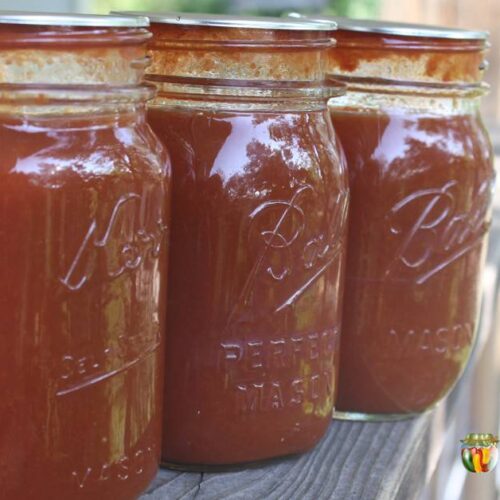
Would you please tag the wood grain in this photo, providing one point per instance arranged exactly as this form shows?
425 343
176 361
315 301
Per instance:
355 460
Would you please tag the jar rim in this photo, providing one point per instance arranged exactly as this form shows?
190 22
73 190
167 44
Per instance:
397 28
80 20
239 22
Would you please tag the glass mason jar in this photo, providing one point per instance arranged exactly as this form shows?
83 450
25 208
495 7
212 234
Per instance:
257 250
83 225
421 179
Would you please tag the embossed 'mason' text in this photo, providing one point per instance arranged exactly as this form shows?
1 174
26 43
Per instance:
434 341
272 395
122 469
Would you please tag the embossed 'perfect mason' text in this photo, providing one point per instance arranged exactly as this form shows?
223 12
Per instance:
280 372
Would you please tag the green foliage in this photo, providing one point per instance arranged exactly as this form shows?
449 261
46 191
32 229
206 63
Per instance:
354 8
349 8
213 6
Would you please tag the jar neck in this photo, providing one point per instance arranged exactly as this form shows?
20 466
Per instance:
238 53
209 67
373 94
218 94
72 55
90 101
404 59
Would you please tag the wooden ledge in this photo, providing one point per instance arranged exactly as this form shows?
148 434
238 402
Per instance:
354 460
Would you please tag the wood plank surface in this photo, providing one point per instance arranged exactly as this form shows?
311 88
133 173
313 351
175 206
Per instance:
355 460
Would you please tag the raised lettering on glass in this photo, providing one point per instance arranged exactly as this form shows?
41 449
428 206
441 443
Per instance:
433 230
132 233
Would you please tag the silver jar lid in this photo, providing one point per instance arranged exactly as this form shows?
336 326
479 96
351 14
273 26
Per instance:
227 21
396 28
57 19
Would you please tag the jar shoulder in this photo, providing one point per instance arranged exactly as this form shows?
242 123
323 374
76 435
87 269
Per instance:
56 153
412 144
243 148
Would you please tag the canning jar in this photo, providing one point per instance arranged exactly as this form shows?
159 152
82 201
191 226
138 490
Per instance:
257 249
421 178
83 226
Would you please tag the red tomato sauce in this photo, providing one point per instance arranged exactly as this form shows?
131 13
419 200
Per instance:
254 284
420 196
83 238
421 177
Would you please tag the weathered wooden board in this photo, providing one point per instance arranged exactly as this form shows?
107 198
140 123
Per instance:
355 460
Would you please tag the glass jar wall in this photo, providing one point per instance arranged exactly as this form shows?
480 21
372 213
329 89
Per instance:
84 186
421 178
259 217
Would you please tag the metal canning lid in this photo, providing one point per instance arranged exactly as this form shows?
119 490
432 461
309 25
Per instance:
227 21
57 19
400 29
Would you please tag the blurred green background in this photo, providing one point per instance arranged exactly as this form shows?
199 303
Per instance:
358 8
